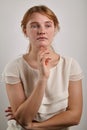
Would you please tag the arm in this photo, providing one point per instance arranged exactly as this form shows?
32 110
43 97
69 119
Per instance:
73 113
24 109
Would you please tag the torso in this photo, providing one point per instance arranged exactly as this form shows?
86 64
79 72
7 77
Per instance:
34 64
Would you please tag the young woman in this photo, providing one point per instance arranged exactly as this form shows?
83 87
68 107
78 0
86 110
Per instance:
43 87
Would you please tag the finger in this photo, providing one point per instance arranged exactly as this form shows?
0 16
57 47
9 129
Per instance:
44 49
9 107
47 61
11 117
44 54
9 114
8 110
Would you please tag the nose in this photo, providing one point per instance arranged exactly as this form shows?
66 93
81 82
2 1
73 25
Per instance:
41 30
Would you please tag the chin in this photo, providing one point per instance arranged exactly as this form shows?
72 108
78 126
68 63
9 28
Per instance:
43 44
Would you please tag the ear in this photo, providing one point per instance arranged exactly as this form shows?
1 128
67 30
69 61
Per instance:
55 31
24 31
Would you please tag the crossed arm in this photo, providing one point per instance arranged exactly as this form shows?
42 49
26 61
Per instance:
24 110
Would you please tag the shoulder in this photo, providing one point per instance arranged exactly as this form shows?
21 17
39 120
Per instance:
12 66
69 60
72 67
11 73
70 64
12 63
65 61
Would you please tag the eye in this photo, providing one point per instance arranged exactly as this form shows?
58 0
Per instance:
34 26
48 25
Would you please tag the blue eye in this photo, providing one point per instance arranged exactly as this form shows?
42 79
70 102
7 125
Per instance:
48 25
34 26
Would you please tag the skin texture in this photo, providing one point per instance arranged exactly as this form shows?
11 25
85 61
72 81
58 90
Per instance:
40 30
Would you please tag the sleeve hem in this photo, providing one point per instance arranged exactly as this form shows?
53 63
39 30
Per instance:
76 77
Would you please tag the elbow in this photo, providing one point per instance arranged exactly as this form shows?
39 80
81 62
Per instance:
26 124
76 117
76 122
19 119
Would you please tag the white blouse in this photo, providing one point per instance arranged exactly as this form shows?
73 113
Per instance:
55 99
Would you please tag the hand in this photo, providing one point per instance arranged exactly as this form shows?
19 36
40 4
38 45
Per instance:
9 113
47 59
54 58
43 63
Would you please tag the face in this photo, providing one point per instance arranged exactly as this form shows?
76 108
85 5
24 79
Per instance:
40 30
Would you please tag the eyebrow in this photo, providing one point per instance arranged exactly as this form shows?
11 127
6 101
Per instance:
38 22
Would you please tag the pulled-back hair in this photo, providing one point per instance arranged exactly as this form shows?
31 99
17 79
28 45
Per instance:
42 9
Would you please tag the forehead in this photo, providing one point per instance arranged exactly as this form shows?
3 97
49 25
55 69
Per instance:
37 17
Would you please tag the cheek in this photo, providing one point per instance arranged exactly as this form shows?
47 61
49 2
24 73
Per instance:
51 34
31 34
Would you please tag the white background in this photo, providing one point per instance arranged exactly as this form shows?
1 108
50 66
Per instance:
70 41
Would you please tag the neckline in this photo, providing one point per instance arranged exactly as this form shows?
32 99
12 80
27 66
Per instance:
32 68
29 66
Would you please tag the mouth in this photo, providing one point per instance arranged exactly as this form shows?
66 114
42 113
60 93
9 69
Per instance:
42 38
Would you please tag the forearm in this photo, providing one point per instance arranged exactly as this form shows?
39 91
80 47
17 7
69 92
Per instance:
73 113
27 111
64 119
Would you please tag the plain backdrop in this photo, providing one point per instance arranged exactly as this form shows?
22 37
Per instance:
70 41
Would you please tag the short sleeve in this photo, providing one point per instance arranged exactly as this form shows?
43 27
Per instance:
76 72
10 74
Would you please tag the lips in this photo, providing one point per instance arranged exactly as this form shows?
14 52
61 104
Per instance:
41 38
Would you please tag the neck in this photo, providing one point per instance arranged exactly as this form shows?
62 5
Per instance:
33 54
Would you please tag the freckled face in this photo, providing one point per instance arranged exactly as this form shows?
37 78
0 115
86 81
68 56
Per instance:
40 30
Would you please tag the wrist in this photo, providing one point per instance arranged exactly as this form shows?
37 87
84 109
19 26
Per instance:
42 82
43 79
